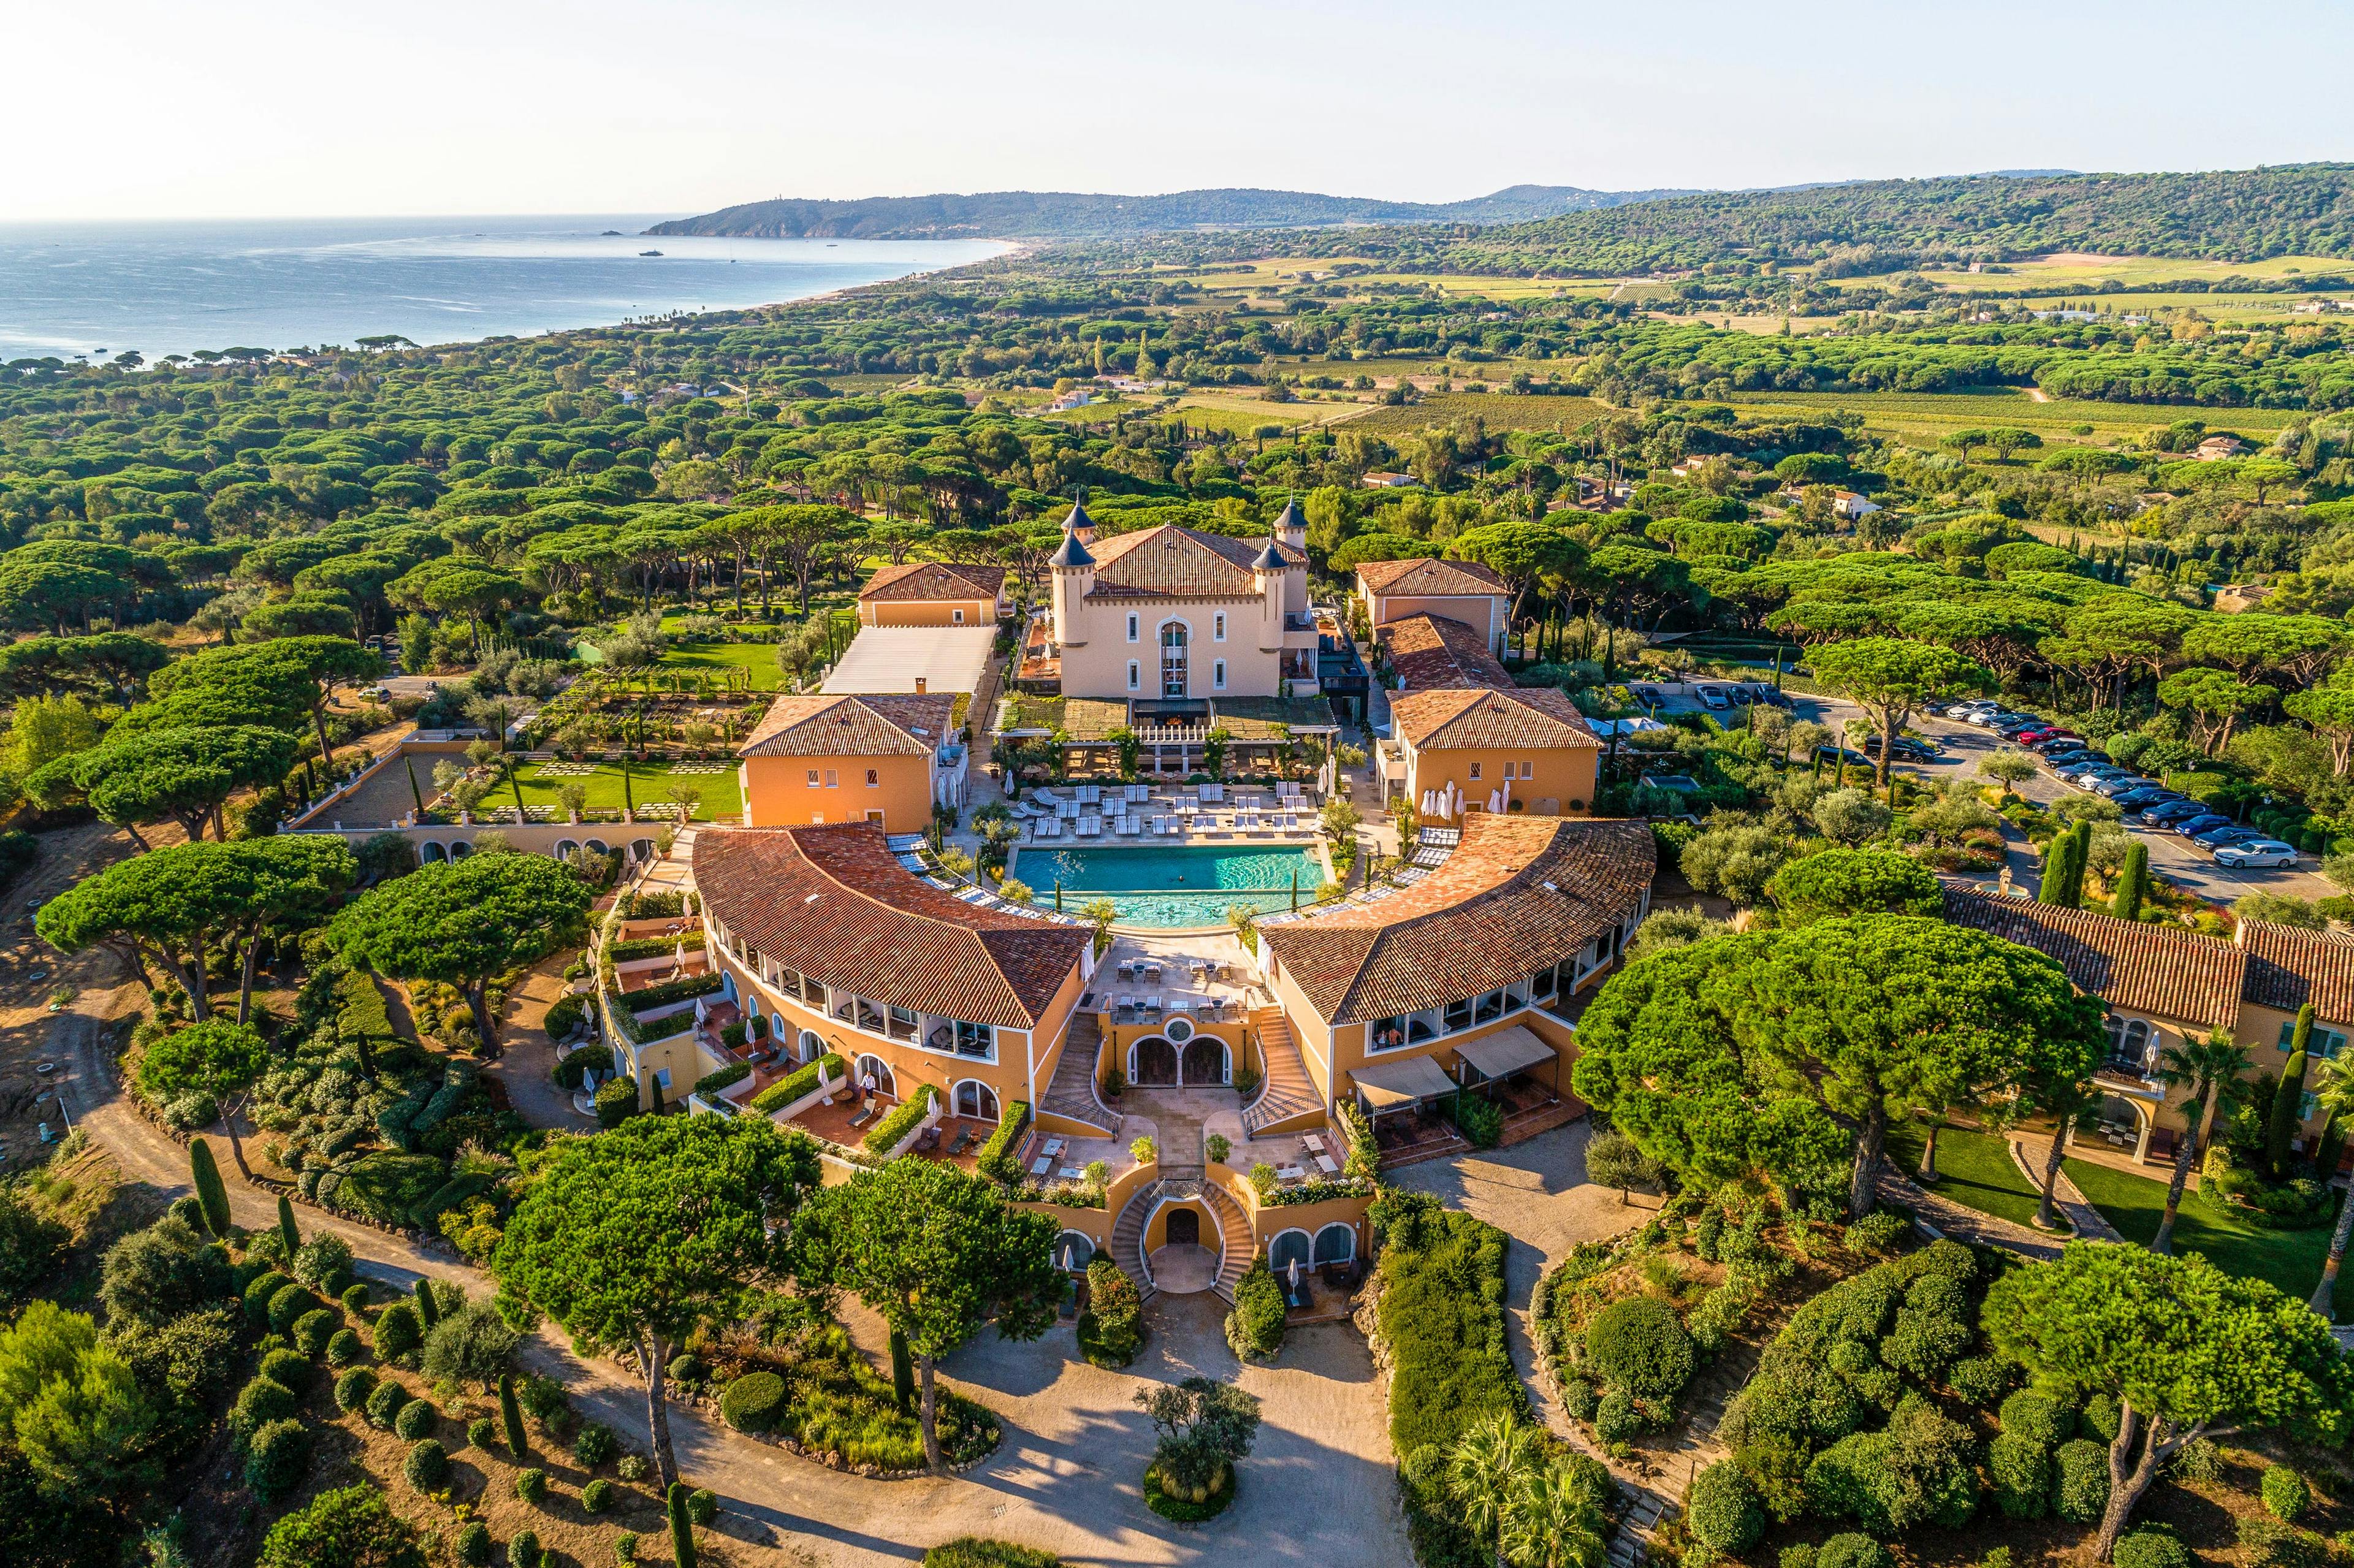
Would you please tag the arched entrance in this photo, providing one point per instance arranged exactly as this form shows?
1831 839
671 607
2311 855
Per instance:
1153 1064
1173 658
1203 1060
1185 1228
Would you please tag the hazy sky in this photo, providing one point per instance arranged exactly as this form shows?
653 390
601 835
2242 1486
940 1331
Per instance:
141 108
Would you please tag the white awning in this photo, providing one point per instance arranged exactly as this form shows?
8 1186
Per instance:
1396 1084
943 660
1506 1052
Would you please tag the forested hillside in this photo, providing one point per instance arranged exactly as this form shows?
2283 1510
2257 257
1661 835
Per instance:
1049 215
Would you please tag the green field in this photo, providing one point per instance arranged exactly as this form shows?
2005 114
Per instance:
1929 415
2135 1204
1501 410
1974 1169
721 795
717 658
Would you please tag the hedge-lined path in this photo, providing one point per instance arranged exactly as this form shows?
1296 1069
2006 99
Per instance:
526 1059
1068 1476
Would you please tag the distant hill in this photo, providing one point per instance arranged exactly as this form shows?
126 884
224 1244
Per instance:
2226 216
1057 215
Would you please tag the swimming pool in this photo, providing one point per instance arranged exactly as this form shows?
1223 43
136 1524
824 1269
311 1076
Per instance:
1171 887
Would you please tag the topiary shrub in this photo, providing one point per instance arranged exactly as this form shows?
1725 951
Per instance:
2040 1416
751 1402
1639 1345
1579 1398
414 1420
479 1432
625 1547
286 1367
384 1403
686 1369
1979 1380
2021 1468
1616 1419
530 1484
1112 1330
1801 1555
277 1458
523 1550
597 1496
596 1445
1255 1328
427 1466
473 1545
343 1348
1724 1511
2149 1549
313 1329
2080 1482
2100 1418
260 1292
702 1504
1878 1233
2287 1497
260 1403
353 1388
1853 1551
288 1305
354 1298
397 1333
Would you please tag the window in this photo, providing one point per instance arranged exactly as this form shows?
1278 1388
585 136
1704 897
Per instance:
873 777
1475 770
1131 675
872 1067
1218 674
1132 626
812 778
1073 1250
1173 639
1290 1248
2327 1042
874 817
662 1076
833 778
1336 1243
977 1100
870 1016
903 1022
812 990
975 1040
956 618
812 1043
1218 627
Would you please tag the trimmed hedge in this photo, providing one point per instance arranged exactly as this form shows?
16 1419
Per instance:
473 1543
994 1160
1111 1329
752 1401
1255 1328
397 1330
260 1292
313 1329
1442 1317
1725 1512
803 1081
523 1549
1641 1345
885 1135
343 1348
710 1083
981 1551
595 1445
530 1484
1853 1551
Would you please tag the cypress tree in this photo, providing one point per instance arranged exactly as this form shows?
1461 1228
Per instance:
511 1416
211 1195
2053 886
682 1528
2290 1095
2133 883
903 1373
286 1231
428 1309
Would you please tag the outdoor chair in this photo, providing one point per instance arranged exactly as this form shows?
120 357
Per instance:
865 1114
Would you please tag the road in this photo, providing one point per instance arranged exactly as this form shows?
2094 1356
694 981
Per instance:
2181 861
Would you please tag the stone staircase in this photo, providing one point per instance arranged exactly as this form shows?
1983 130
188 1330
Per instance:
1237 1247
1128 1238
1071 1095
1235 1233
1289 1093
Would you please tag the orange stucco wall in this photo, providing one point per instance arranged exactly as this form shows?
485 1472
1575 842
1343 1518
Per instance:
1564 775
1483 614
926 612
777 792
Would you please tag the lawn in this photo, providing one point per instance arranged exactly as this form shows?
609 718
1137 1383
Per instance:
2135 1204
722 795
1930 415
718 660
1974 1169
1501 410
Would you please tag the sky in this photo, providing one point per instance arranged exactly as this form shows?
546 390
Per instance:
147 109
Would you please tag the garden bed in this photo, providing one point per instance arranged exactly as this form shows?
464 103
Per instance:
839 1412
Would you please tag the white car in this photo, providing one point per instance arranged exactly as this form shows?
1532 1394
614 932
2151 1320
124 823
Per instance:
2256 853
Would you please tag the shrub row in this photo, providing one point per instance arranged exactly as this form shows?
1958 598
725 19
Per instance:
993 1161
802 1082
710 1083
885 1135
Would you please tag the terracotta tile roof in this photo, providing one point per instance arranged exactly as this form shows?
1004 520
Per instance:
881 725
1459 717
2288 968
1518 894
1429 577
934 580
831 902
1172 562
2161 970
1429 651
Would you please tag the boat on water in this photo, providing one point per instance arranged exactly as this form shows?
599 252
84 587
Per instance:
649 252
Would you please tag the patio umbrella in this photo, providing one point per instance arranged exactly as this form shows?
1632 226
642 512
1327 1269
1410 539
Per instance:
1070 1255
1495 800
1295 1274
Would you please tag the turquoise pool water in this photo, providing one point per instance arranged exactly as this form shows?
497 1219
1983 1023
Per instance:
1168 887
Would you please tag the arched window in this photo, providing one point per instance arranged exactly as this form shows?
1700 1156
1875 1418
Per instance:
812 1043
598 846
566 849
1173 658
642 849
1290 1248
429 852
1073 1251
872 1064
1336 1243
977 1100
460 849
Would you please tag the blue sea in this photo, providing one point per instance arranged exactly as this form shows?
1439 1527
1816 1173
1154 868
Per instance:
176 288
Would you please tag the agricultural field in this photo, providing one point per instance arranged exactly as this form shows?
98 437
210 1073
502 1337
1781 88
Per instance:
720 794
1501 410
1924 417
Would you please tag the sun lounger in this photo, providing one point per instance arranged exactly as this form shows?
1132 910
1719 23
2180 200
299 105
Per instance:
1041 1166
963 1138
1128 827
1045 795
865 1114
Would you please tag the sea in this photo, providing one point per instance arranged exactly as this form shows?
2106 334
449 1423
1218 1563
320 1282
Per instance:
100 290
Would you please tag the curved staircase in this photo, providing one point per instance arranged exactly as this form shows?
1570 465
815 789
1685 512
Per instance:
1236 1246
1288 1094
1071 1094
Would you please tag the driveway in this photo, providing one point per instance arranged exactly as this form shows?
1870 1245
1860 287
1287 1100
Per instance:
2181 861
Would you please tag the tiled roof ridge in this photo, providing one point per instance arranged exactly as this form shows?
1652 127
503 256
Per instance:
1382 577
2142 967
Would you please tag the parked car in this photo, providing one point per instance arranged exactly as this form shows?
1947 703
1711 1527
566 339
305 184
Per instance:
2090 768
2115 788
2169 811
1714 699
2216 838
2256 853
2205 823
2142 798
2069 756
1905 746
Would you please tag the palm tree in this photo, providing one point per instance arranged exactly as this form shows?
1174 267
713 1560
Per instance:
2333 1091
2208 1075
1550 1521
1485 1469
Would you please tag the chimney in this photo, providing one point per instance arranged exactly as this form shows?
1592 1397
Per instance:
919 685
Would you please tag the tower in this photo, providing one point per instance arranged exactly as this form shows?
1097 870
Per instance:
1074 574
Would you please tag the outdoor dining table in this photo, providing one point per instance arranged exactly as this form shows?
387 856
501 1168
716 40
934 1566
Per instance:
1072 1172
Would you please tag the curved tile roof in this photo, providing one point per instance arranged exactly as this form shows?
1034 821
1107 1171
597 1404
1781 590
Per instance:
834 903
1455 718
1174 562
2164 972
1518 894
885 724
2288 968
1430 577
1429 651
918 580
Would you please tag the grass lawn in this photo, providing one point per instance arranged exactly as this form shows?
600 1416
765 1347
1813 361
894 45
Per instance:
1974 1169
2135 1204
716 659
722 795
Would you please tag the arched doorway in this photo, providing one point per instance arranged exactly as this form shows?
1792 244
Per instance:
977 1100
1173 658
1073 1250
1153 1064
1203 1060
1290 1248
461 849
1336 1243
1184 1227
566 849
881 1070
427 853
